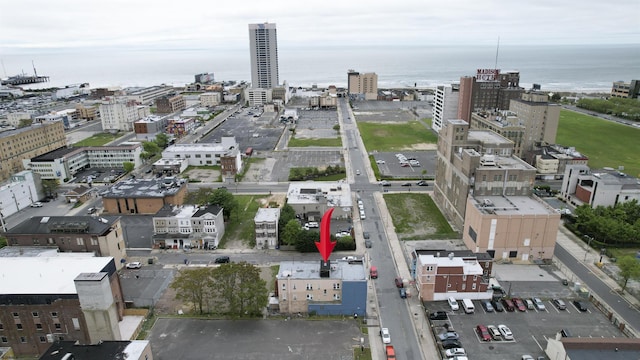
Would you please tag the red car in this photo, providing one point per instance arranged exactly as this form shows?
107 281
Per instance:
519 304
483 332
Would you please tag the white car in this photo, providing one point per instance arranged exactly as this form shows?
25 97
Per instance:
36 204
453 304
386 337
134 265
539 304
506 332
455 352
379 161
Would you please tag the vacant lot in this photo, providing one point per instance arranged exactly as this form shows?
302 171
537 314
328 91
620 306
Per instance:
606 143
98 139
298 142
416 217
382 137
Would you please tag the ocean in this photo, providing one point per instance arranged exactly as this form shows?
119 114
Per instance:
577 68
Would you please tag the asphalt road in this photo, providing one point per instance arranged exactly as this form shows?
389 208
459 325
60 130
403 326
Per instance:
597 286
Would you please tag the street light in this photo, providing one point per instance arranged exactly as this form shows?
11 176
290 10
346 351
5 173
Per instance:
588 247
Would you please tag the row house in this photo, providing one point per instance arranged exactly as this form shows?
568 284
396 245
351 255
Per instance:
188 226
266 227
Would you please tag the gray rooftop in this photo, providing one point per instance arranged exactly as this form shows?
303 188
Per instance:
340 269
144 188
67 224
513 205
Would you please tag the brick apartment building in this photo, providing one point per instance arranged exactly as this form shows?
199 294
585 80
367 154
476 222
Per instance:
170 104
143 196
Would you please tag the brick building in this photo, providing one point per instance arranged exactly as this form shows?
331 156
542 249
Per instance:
170 104
143 196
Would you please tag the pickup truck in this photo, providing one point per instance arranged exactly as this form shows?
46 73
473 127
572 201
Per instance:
391 352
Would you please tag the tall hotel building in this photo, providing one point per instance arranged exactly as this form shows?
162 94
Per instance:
264 55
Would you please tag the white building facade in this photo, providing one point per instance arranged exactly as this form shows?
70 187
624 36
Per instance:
266 226
263 47
188 226
20 192
445 105
204 154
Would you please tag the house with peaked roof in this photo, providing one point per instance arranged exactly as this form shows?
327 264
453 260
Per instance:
79 194
188 226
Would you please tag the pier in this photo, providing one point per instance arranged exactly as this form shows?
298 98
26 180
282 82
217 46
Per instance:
23 79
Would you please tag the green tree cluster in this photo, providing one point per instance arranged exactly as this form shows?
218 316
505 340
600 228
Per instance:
233 289
304 240
50 186
221 197
613 225
629 269
308 173
623 108
154 147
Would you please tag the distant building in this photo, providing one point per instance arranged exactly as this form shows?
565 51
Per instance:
311 199
204 154
489 89
67 116
324 101
119 114
148 127
64 163
445 105
148 95
266 227
204 78
188 226
211 99
258 96
14 118
335 288
61 296
440 274
627 90
125 349
180 126
28 142
263 47
143 196
79 194
170 104
552 160
602 187
102 236
363 86
87 112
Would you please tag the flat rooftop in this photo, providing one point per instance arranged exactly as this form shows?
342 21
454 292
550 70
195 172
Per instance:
336 193
47 275
267 215
340 269
469 266
513 205
487 137
143 188
65 224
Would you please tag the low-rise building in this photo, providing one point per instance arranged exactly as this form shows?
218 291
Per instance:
338 287
62 296
627 90
148 95
592 348
188 226
22 190
602 187
143 196
119 114
552 160
210 99
148 127
125 349
80 194
170 104
440 274
205 153
266 227
180 126
170 167
102 236
311 199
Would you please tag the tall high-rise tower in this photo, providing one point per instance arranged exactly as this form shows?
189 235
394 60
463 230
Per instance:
264 55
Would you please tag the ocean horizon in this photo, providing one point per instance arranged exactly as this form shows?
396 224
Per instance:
577 68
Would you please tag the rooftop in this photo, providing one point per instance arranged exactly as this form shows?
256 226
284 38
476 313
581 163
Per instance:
66 224
144 188
47 274
336 193
226 143
340 269
267 215
187 211
470 266
487 137
103 350
512 205
26 128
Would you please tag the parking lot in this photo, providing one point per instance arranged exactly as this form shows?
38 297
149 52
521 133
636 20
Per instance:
530 328
261 133
316 124
392 167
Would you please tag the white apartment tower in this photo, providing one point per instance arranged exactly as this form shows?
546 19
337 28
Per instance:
445 105
118 114
264 55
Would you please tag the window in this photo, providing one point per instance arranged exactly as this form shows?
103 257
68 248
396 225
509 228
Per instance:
23 339
513 254
284 286
309 287
336 286
336 296
34 313
475 277
325 291
464 286
4 339
80 241
43 339
94 242
76 323
54 314
309 297
16 315
58 326
464 277
473 286
38 326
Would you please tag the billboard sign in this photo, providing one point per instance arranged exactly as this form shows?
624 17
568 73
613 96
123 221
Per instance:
487 74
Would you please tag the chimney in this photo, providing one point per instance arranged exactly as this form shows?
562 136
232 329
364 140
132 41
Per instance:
451 255
325 268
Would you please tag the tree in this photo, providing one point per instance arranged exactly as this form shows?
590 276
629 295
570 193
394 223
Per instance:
224 199
286 213
199 197
238 289
162 140
423 173
3 242
150 147
50 186
291 232
629 269
128 166
24 123
194 286
336 127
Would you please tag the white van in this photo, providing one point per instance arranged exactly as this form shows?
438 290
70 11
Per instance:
467 304
362 216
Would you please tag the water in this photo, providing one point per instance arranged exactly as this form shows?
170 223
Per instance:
567 68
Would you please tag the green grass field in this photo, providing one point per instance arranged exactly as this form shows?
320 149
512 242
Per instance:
605 143
391 137
98 139
241 225
334 142
416 217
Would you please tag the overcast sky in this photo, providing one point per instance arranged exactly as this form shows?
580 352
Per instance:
53 24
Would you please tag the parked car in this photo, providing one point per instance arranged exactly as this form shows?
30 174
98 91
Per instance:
506 332
406 184
398 282
91 210
36 204
455 352
422 183
527 357
449 335
519 304
529 304
366 235
403 293
450 344
486 304
438 315
453 304
368 243
134 265
539 304
404 164
221 260
386 337
379 161
580 305
559 304
494 332
508 305
385 183
497 306
483 332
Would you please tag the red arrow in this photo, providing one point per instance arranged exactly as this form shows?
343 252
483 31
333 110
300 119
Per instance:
325 246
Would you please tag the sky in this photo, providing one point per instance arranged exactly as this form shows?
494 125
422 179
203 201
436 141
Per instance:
27 25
